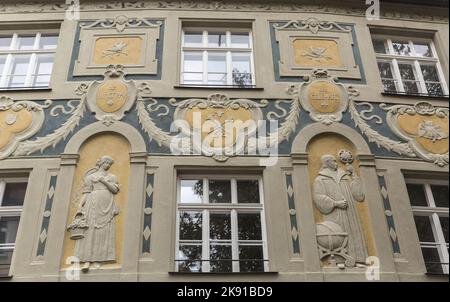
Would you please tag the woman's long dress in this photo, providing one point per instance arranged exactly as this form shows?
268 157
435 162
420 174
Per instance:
98 244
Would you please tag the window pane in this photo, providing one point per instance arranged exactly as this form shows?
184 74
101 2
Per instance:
48 42
389 85
5 43
193 78
251 259
2 64
248 191
5 257
401 48
434 88
191 254
191 191
407 72
440 195
387 77
217 69
385 70
219 191
241 67
240 40
423 50
217 62
219 253
26 43
193 39
432 260
41 81
193 62
408 76
429 73
424 229
249 226
43 70
14 194
8 229
19 71
417 195
217 40
190 226
44 64
219 226
379 46
217 79
444 225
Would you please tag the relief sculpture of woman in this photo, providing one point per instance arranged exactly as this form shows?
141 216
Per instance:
96 216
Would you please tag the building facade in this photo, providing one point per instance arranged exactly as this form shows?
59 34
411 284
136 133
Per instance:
224 141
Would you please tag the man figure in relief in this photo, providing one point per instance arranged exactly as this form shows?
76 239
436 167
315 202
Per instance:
336 192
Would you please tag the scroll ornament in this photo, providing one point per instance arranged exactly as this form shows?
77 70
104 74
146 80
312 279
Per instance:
19 120
421 125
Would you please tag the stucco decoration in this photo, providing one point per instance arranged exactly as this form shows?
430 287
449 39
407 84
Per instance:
76 112
111 98
305 45
371 134
424 127
130 42
275 6
336 192
313 25
121 22
215 114
19 120
323 98
223 125
93 226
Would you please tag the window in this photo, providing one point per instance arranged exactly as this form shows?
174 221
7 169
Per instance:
220 225
409 67
12 195
429 201
26 60
217 58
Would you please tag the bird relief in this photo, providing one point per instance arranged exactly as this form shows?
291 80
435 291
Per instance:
117 50
424 126
427 129
316 54
125 50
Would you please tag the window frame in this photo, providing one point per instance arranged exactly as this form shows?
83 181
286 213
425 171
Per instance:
10 211
433 212
415 60
205 208
228 50
33 61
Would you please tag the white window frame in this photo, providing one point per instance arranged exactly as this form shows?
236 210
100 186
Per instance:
233 208
414 59
10 211
434 213
205 49
32 65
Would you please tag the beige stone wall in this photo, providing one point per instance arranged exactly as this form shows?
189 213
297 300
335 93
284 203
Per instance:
158 265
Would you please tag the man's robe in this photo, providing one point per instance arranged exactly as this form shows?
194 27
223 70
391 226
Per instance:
331 186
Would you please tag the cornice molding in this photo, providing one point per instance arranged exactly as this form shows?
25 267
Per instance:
389 12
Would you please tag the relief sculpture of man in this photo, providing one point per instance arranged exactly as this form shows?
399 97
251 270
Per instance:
336 192
96 215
